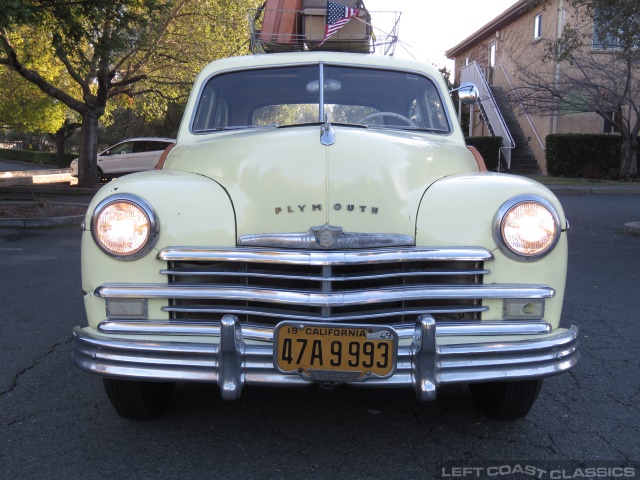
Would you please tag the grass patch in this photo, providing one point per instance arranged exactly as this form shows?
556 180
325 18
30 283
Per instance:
584 182
40 210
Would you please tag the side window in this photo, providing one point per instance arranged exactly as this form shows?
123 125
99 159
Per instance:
213 111
430 111
121 149
139 147
155 146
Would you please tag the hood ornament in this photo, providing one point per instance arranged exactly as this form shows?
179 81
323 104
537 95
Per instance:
327 136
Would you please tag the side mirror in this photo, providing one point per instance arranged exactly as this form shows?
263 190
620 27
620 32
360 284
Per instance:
467 93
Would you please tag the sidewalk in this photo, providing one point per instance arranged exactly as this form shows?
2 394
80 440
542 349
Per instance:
13 172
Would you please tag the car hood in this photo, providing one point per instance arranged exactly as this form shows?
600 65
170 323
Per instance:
285 180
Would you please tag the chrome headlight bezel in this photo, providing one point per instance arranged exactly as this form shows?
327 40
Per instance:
508 207
145 207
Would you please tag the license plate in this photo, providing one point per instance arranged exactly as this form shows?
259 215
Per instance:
335 352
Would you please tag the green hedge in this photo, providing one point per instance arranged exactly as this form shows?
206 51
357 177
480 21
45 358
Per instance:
42 158
489 148
583 155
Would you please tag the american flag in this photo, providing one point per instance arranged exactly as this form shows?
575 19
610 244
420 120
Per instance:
337 17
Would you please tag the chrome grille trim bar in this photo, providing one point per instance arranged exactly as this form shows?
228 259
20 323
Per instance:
343 317
265 332
320 299
304 257
339 278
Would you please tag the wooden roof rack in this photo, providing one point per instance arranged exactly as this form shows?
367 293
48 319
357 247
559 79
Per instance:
299 25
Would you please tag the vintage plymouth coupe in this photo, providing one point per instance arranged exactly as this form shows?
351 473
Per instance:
320 221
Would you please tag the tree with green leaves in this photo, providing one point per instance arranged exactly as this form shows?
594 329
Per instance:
26 109
594 66
145 50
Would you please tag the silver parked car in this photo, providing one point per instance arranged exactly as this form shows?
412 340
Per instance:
130 155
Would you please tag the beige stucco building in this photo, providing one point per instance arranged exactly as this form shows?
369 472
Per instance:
498 51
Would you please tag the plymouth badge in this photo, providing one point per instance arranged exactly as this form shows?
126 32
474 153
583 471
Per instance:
327 236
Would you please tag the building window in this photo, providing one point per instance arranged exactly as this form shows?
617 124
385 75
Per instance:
604 41
492 61
604 36
492 54
612 120
537 26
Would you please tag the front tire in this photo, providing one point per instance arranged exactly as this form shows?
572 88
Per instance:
137 400
506 400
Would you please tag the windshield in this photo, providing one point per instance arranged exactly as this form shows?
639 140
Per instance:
288 96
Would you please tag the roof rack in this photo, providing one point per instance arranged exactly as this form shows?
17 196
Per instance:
281 30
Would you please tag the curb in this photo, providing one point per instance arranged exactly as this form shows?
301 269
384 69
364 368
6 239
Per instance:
612 190
33 173
60 190
36 177
632 228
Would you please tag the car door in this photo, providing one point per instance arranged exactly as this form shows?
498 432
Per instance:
146 154
116 159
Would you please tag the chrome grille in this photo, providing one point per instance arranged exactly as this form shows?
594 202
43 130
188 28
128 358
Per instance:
264 286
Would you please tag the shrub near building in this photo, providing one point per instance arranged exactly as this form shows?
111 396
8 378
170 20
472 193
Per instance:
42 158
489 148
583 155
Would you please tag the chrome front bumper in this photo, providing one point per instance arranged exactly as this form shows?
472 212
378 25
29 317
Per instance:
424 364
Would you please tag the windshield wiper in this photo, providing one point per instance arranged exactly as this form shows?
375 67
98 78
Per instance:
357 125
310 124
230 128
409 128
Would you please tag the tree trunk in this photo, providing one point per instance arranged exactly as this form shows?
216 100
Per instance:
60 137
88 158
628 157
633 168
59 140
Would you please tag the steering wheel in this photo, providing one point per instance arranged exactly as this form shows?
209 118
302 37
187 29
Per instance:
387 114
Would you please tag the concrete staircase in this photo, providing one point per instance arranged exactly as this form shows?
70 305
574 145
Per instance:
523 162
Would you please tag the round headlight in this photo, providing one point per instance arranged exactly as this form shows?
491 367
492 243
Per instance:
124 226
527 227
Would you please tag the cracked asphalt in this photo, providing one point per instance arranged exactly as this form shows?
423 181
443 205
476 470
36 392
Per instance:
56 423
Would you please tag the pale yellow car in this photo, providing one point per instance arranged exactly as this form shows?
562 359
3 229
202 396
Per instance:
319 222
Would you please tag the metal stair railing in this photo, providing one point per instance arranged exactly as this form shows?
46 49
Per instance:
490 111
515 92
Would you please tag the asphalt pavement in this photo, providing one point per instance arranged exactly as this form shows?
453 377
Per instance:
56 421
